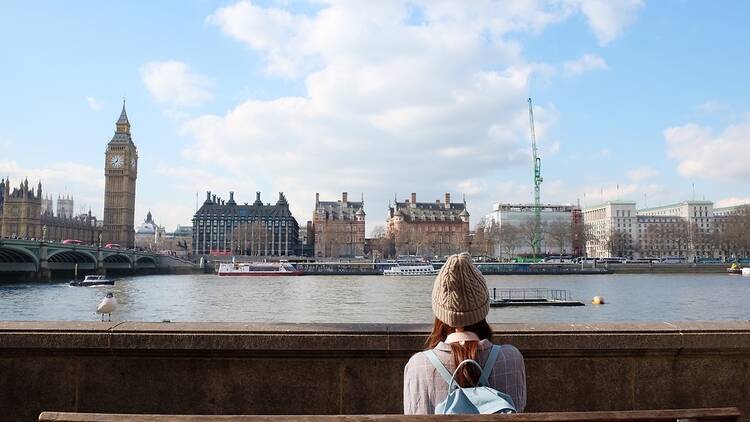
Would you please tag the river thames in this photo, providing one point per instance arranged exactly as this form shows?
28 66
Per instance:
326 299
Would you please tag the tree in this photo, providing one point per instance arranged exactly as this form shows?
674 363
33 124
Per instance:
528 233
581 234
619 243
509 238
732 233
559 233
482 243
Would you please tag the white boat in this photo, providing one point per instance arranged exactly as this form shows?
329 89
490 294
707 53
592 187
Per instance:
411 270
258 269
93 280
746 271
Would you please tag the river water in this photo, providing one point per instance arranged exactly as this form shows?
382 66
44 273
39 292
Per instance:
326 299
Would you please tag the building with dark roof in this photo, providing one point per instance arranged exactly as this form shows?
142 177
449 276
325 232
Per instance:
339 227
22 215
428 228
226 228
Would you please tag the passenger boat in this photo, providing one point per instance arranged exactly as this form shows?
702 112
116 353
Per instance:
93 280
411 270
258 269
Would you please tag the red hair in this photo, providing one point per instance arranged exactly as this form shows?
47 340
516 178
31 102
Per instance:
469 374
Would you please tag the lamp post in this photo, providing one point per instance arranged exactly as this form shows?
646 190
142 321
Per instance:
44 233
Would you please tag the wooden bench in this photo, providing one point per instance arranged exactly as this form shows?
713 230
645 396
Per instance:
679 415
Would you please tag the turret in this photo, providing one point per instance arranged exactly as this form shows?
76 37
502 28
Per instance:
258 202
464 216
282 200
123 125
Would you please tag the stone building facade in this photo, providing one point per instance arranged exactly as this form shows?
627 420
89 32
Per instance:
21 216
428 228
338 227
688 229
227 228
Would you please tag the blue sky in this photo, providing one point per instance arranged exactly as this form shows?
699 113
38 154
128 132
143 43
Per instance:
379 98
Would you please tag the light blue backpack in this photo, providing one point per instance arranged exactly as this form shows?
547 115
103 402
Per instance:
479 399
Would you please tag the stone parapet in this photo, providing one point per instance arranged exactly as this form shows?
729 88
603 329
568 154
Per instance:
251 368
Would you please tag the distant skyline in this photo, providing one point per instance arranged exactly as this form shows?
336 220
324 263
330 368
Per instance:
379 98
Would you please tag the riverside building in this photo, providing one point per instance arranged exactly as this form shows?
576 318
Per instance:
226 228
23 215
521 216
428 228
687 230
338 227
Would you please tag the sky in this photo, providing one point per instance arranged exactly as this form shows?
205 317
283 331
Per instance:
637 100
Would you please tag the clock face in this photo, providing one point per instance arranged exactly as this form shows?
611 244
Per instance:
117 161
132 163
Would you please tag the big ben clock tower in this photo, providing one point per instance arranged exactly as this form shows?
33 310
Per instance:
120 172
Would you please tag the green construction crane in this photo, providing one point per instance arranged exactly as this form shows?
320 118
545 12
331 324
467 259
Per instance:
537 238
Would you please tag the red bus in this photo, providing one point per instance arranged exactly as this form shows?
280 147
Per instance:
112 246
72 242
220 252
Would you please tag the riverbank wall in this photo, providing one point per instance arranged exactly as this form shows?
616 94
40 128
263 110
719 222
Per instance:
236 368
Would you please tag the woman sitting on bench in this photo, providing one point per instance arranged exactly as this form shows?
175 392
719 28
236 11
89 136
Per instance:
460 302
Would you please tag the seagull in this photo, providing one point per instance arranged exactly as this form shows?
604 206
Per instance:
107 306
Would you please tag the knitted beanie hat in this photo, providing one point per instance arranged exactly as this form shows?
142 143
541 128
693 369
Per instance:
459 295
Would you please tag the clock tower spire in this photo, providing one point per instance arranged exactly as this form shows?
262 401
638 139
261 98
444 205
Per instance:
120 173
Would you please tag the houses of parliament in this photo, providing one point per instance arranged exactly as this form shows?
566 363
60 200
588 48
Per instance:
28 214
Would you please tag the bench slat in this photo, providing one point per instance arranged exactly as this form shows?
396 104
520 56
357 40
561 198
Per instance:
698 415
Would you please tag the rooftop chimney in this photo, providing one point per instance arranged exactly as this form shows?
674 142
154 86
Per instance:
213 198
413 197
231 195
447 200
317 198
208 195
344 197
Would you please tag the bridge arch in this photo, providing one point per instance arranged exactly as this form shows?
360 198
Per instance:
15 255
72 256
145 262
118 258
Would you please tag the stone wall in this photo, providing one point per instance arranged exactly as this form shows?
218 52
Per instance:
236 368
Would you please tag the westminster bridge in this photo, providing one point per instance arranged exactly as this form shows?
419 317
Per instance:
42 260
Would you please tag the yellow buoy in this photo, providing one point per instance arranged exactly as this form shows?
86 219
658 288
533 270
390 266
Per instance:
598 300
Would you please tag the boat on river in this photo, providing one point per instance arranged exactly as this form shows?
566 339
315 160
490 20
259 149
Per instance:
258 269
736 269
93 280
411 270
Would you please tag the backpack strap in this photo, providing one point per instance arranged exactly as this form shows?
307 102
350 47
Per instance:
484 379
447 376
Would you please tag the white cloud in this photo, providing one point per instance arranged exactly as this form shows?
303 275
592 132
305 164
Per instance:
608 18
172 82
713 106
417 96
730 202
702 154
94 103
642 173
585 63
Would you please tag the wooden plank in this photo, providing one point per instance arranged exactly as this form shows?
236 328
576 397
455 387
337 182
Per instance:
698 415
